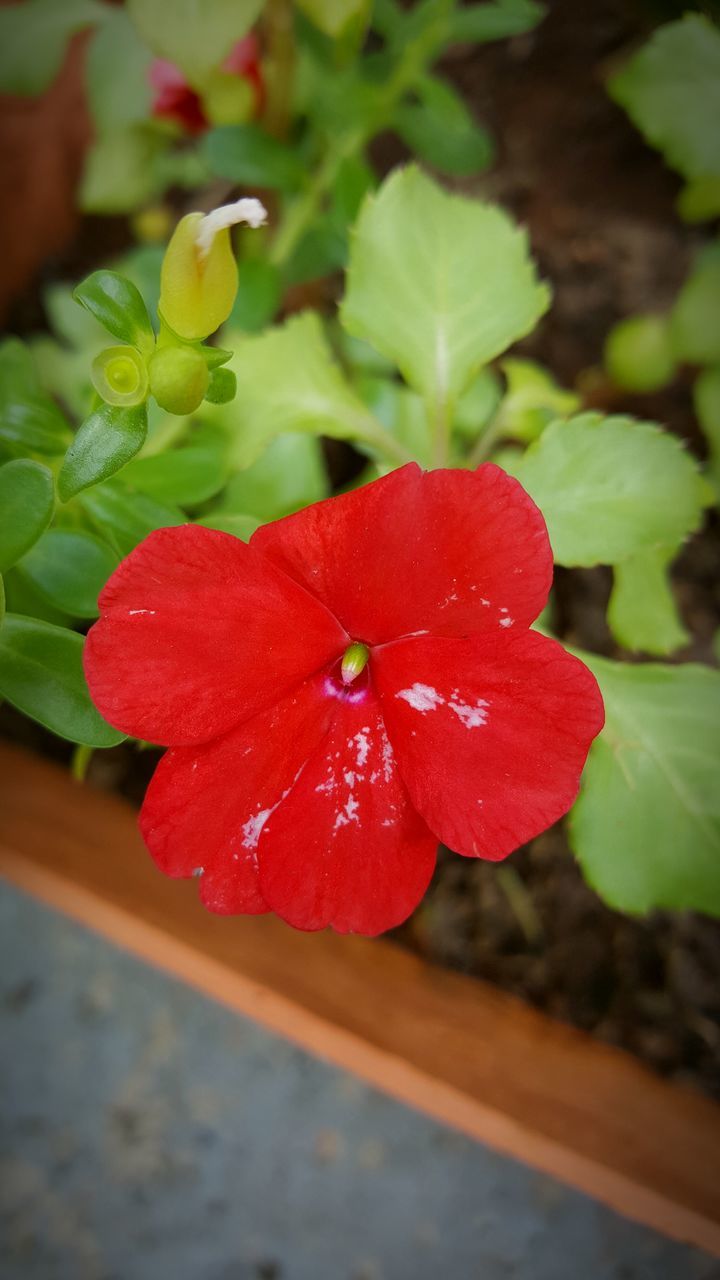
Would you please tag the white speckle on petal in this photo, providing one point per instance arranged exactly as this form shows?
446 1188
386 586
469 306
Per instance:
388 756
506 622
471 716
136 613
198 871
252 828
362 743
348 815
421 697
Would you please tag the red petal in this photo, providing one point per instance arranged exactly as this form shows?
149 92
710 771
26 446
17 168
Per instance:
197 633
173 98
205 806
491 734
450 552
345 848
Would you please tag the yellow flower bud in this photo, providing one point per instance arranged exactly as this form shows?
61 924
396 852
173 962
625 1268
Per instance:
199 277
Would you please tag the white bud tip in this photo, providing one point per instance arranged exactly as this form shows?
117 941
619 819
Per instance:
247 210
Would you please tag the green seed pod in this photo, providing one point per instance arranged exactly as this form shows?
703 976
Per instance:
179 378
638 354
120 376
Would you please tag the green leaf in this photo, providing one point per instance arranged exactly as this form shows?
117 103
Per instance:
478 404
402 413
288 381
33 37
124 517
245 154
258 295
66 373
74 325
699 201
638 353
360 355
41 674
222 387
2 600
440 130
123 169
333 17
290 474
646 828
185 476
109 438
706 397
495 20
671 91
118 306
197 35
695 317
18 373
27 500
239 526
116 73
439 283
319 253
532 400
610 488
22 597
642 613
353 180
69 568
30 421
35 424
215 357
142 266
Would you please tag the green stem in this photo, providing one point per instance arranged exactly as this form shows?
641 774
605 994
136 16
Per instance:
81 758
521 904
303 211
485 445
279 28
374 434
441 434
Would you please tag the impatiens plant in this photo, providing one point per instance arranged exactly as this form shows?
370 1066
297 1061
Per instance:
369 674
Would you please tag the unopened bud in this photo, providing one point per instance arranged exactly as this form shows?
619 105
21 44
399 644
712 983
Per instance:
354 661
179 378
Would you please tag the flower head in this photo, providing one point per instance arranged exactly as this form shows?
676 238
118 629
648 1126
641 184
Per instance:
237 90
353 686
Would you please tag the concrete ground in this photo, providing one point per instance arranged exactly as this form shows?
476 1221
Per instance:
149 1134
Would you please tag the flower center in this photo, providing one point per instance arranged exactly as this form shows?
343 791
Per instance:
354 661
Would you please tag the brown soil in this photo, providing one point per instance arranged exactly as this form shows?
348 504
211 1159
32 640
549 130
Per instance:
599 208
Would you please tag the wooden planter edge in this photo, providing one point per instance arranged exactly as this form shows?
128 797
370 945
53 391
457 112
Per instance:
452 1046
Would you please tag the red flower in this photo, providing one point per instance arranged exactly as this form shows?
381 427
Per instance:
174 99
287 789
